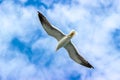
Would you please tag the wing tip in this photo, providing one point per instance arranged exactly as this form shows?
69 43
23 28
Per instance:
90 66
41 17
40 14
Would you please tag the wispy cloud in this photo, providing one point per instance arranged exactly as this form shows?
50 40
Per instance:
28 53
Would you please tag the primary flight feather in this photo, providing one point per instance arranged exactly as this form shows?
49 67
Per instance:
63 41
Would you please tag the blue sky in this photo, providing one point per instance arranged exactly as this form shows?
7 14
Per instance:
28 53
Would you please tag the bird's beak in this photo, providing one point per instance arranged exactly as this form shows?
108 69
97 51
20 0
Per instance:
72 33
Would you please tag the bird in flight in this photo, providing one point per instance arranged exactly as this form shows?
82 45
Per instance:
63 40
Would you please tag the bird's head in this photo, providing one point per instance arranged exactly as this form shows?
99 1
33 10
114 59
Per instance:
72 33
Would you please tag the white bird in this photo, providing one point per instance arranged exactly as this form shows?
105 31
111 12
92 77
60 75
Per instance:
63 41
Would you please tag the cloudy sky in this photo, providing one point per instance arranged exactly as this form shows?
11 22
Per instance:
28 53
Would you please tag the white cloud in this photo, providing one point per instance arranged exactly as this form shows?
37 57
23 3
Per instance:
94 34
16 21
93 41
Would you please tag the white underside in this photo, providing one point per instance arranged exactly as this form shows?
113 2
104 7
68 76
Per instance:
65 40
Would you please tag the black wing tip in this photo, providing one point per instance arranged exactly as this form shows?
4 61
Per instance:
90 66
40 15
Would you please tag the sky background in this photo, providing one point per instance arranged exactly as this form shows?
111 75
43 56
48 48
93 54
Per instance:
28 53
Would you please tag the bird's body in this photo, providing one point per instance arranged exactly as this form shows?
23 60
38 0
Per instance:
63 41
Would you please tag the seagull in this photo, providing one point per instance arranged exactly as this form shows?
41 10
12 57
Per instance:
63 40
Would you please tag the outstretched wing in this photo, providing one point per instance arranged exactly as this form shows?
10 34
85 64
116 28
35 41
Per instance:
52 31
75 56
